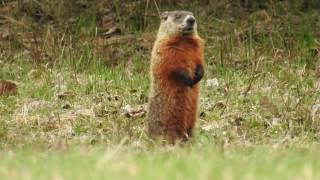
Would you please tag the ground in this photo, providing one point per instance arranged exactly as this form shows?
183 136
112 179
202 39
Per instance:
80 107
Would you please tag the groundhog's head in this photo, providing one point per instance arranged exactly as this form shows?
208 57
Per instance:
177 23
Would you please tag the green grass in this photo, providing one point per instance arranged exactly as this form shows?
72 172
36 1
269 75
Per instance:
123 162
69 119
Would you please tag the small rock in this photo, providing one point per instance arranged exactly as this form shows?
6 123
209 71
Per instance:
127 109
212 82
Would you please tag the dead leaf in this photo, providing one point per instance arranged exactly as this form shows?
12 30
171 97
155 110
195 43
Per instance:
108 21
66 106
66 94
211 126
134 112
85 113
315 112
4 34
112 32
8 88
129 67
220 104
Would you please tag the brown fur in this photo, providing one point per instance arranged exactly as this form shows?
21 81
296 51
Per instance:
173 106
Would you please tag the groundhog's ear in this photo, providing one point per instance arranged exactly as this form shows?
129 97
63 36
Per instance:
164 15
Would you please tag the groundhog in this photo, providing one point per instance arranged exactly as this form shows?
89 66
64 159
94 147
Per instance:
176 68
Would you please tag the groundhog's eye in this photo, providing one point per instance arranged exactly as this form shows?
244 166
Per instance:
164 18
178 16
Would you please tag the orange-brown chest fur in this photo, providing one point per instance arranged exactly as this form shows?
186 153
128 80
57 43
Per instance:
183 52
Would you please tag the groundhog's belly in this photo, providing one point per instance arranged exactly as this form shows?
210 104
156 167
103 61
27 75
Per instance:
174 106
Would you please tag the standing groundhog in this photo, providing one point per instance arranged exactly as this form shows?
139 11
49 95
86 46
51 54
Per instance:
177 66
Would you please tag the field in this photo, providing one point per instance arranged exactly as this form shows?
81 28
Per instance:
82 91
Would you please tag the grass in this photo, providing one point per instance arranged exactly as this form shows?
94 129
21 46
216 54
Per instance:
123 162
79 111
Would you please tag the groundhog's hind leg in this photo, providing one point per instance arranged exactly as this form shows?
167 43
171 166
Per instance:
154 124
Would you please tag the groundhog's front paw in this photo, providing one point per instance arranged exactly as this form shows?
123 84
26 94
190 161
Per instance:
181 75
198 75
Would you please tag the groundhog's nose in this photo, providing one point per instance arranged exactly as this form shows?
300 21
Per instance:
191 20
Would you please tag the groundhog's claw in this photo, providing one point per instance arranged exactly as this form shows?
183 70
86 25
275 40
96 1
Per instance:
198 75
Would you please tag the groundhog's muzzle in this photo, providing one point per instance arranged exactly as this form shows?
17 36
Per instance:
188 25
